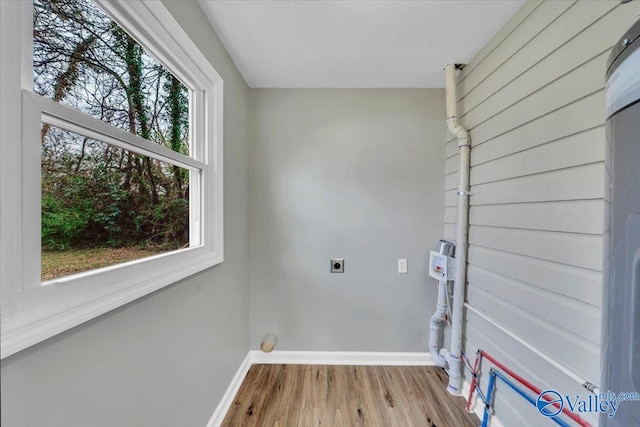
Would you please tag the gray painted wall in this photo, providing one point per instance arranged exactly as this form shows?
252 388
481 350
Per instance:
355 174
533 99
164 360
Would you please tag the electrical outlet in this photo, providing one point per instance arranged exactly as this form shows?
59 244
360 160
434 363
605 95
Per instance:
337 265
402 265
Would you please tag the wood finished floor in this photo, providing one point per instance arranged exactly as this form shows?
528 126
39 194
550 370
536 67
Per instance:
319 395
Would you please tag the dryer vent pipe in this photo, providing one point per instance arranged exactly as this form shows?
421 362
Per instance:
268 342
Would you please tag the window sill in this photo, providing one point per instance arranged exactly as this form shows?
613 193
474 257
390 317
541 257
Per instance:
40 313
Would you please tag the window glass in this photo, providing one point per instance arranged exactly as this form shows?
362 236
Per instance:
83 59
104 205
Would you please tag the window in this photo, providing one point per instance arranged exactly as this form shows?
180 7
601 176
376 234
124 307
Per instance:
111 161
102 204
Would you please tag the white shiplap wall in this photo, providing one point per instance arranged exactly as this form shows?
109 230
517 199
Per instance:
533 99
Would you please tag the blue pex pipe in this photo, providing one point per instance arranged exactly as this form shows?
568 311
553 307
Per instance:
487 403
518 390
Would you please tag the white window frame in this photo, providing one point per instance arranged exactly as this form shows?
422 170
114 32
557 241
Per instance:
31 311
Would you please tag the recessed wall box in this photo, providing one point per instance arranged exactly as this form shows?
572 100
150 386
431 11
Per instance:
441 267
337 265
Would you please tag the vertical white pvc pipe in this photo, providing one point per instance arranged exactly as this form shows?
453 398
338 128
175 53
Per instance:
440 356
462 228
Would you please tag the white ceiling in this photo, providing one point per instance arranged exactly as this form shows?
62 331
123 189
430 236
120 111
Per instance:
353 43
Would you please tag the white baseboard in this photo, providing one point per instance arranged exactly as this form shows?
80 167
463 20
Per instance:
477 406
313 358
227 399
342 358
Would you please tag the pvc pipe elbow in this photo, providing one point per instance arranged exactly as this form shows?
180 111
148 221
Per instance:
439 361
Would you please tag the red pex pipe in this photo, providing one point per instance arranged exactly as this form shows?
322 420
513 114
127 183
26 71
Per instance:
473 380
533 388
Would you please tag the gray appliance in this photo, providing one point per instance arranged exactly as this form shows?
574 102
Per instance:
621 302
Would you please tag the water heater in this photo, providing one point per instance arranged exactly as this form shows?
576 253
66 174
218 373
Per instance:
621 302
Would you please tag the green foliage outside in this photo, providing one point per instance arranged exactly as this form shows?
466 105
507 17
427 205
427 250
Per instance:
96 195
